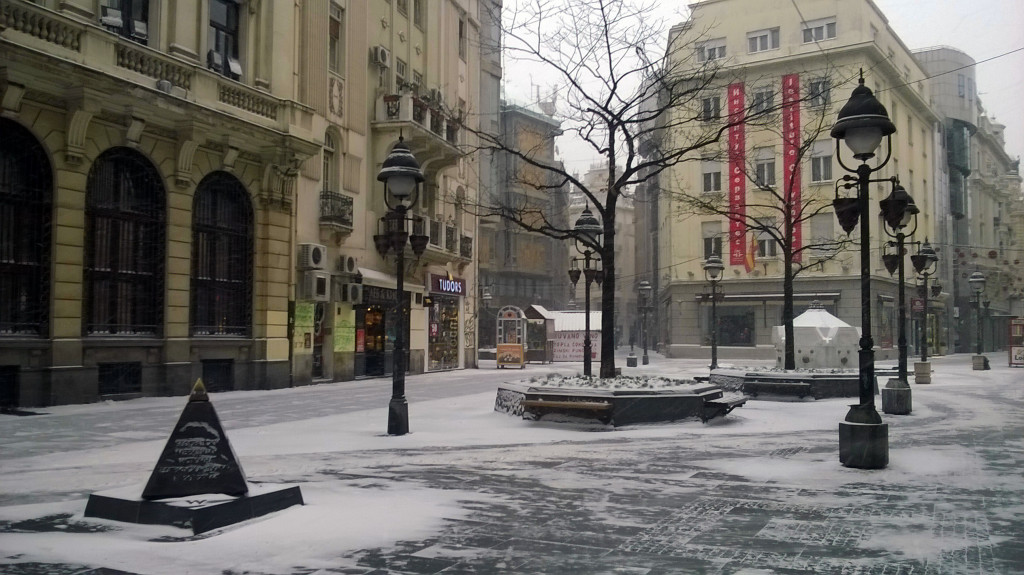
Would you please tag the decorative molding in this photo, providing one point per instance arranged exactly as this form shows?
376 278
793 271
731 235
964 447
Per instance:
134 134
12 95
77 128
229 158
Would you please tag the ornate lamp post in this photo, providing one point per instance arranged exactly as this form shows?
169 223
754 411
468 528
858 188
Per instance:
977 283
862 123
401 175
898 211
713 268
645 305
925 263
588 239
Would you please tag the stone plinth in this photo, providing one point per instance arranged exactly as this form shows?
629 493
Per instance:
922 372
896 398
864 445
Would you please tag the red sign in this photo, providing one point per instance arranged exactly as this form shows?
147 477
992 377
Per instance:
917 305
360 340
737 176
790 150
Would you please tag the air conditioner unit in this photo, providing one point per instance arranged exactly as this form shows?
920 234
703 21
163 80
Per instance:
316 285
354 293
347 264
382 56
312 256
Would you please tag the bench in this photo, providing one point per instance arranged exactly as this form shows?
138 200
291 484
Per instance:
719 407
799 389
600 410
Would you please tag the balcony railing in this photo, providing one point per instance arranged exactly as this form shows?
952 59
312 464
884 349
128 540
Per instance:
466 247
451 238
408 107
336 209
435 233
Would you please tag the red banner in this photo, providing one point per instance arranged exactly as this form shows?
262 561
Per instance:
790 150
737 176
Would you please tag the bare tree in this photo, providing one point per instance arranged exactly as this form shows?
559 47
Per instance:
617 102
777 213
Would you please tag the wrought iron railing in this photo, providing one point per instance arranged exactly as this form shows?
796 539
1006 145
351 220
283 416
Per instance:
336 208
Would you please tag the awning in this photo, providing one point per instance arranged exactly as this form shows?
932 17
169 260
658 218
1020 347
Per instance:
825 296
373 277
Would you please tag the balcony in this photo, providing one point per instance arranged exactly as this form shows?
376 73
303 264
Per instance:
446 243
432 133
336 213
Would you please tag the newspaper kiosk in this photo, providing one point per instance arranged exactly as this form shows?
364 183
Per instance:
1016 342
511 337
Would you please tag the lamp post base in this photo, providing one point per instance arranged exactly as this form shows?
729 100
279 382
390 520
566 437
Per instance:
631 360
864 445
645 360
896 397
979 362
398 416
922 372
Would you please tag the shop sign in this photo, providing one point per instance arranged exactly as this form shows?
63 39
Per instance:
446 285
568 345
511 354
917 305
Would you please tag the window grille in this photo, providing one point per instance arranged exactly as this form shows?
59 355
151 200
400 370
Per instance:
124 261
222 258
26 190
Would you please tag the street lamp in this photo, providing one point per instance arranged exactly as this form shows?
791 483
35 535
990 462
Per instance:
898 211
401 175
588 233
713 268
925 264
645 305
977 283
863 122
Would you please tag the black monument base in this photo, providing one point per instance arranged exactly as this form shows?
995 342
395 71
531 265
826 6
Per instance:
864 445
200 513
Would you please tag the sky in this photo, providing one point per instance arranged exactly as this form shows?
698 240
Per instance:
986 30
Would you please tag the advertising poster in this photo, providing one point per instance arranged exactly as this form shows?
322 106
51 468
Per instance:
303 334
737 177
569 345
510 354
345 330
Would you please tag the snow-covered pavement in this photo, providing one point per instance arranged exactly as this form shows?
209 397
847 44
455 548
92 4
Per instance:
475 491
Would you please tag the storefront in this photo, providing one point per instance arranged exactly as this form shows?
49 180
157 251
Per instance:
375 332
443 321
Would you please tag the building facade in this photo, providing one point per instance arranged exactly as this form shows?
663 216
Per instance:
801 67
188 189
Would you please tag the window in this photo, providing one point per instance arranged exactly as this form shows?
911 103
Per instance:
712 235
712 171
711 50
711 108
819 30
328 177
403 7
970 89
762 99
26 191
401 71
821 162
223 39
336 47
764 168
910 130
822 233
222 246
961 85
463 40
766 245
124 245
819 92
127 18
763 40
418 12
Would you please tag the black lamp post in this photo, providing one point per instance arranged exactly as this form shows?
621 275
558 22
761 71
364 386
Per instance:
925 263
588 233
898 211
645 305
863 122
713 268
401 175
977 283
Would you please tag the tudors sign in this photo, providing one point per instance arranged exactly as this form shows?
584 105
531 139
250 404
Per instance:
442 284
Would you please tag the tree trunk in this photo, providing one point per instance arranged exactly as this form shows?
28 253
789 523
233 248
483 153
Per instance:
608 261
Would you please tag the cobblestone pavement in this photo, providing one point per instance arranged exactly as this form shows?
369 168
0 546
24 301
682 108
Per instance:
951 501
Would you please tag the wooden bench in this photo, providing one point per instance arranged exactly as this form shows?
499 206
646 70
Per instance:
600 410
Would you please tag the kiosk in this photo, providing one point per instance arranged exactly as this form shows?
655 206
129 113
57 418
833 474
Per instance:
511 337
1015 343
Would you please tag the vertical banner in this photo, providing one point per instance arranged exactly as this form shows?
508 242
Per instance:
790 150
737 176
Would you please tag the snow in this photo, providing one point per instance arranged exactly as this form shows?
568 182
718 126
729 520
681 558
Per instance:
350 472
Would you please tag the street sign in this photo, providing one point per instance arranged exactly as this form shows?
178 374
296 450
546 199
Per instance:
917 305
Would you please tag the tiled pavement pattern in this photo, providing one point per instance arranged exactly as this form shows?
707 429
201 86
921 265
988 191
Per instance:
677 506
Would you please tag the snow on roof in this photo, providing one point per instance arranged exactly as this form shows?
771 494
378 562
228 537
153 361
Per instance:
576 320
540 311
818 318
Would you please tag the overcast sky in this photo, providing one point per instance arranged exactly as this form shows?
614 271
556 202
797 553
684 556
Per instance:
987 30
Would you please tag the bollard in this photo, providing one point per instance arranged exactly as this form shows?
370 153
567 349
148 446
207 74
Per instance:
922 372
896 397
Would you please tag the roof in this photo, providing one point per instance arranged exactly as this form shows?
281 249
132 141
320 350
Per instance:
818 318
538 312
576 320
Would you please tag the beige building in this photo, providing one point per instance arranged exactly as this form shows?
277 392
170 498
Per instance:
182 184
768 54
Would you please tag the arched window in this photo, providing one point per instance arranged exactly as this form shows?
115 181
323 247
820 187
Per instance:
222 254
124 246
26 189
